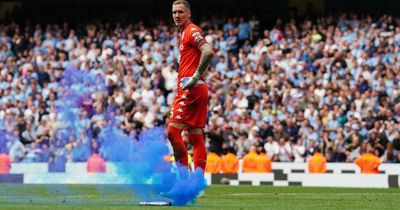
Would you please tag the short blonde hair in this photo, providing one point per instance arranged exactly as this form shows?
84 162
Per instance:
187 5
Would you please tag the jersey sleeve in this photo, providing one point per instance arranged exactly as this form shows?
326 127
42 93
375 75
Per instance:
196 37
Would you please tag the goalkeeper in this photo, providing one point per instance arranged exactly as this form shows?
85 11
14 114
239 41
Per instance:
189 108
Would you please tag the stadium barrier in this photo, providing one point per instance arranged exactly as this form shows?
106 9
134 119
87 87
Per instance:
284 174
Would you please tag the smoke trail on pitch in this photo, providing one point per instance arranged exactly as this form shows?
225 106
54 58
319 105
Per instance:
140 160
72 137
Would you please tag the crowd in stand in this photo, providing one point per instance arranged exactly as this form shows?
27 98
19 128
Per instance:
332 84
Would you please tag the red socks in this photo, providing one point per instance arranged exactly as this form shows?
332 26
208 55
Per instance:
199 150
180 151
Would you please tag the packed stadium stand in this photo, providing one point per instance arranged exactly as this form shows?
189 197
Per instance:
286 86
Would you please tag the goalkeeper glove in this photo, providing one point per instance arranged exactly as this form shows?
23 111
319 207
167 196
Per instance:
187 82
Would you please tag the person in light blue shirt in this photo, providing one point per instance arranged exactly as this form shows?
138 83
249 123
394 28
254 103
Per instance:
228 26
108 42
232 42
244 31
221 65
333 125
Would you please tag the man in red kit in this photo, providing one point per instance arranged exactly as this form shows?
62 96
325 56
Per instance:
190 104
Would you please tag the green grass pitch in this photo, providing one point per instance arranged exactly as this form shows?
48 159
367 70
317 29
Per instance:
98 197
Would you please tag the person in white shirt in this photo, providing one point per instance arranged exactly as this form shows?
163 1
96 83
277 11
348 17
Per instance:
271 147
285 151
240 102
298 151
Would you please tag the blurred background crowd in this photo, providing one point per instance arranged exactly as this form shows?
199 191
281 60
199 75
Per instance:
305 82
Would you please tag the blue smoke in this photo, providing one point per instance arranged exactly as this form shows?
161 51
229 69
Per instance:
76 85
140 160
3 141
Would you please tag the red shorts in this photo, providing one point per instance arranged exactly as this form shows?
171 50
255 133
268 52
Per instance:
190 106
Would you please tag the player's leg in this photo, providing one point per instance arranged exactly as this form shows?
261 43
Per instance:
179 147
198 121
174 134
196 139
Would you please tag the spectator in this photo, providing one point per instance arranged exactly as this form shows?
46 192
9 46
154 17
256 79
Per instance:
57 163
317 163
96 164
284 151
213 163
232 42
263 163
244 32
250 161
216 140
296 81
15 147
368 162
299 151
5 163
272 148
229 162
242 145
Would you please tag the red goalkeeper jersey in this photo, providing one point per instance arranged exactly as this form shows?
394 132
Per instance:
192 37
190 106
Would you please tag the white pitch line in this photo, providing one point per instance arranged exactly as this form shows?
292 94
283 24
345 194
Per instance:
61 196
253 194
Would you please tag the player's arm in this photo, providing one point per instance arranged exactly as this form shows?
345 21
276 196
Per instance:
205 58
